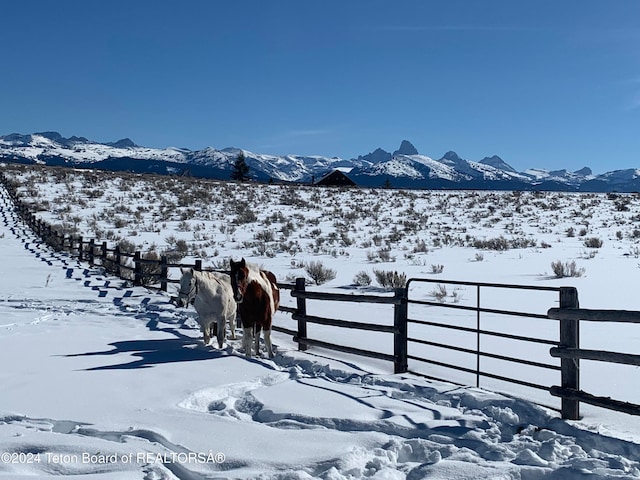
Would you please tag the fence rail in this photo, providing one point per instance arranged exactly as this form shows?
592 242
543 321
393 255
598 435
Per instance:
592 315
571 352
398 330
154 273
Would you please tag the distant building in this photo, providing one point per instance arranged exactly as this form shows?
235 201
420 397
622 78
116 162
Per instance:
335 178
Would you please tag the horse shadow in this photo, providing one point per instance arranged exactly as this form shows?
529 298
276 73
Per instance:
159 316
149 353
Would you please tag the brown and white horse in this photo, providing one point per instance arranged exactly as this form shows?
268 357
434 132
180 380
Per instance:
256 292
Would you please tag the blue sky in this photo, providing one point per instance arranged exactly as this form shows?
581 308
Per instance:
541 84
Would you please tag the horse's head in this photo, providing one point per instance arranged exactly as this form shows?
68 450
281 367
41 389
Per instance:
239 276
188 287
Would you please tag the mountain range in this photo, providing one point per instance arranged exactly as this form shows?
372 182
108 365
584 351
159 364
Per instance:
404 168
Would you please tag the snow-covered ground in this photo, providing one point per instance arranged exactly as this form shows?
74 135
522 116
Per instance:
105 380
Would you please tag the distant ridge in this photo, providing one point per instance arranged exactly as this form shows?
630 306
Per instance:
404 168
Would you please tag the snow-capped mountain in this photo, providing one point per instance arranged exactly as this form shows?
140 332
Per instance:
404 168
53 149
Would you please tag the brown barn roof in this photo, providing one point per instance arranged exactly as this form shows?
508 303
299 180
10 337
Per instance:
336 178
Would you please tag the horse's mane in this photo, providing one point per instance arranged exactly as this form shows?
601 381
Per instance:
254 270
212 275
212 278
255 273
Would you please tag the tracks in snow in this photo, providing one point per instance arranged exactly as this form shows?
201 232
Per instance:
103 452
422 426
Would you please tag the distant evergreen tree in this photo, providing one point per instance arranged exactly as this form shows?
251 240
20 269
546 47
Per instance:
387 183
240 170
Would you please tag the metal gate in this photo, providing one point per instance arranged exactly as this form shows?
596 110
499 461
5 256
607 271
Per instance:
458 332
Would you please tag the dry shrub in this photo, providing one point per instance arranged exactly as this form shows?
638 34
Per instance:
390 279
319 273
566 269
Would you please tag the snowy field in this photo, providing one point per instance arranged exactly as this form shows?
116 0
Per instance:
104 380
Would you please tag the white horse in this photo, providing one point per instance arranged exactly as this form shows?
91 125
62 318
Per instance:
212 297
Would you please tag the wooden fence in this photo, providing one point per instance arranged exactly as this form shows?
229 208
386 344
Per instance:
565 347
153 272
398 329
141 268
570 353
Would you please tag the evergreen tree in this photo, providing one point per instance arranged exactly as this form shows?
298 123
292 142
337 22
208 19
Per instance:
240 170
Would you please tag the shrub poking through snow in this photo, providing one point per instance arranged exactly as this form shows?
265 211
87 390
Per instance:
437 268
362 279
127 246
499 244
319 273
389 279
593 242
566 269
150 271
439 293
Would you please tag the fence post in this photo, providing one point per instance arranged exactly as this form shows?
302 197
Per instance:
92 244
302 312
164 273
103 254
80 248
198 265
400 314
116 259
137 269
48 234
51 236
570 367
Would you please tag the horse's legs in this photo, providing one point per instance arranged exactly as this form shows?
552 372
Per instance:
206 332
267 343
220 330
247 337
256 341
232 324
